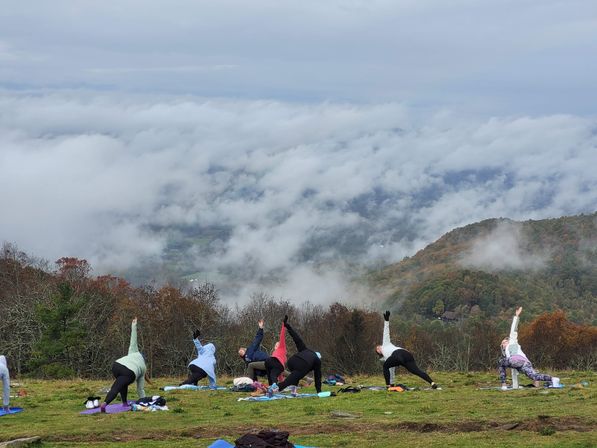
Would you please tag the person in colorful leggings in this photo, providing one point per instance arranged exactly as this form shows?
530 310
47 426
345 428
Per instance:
514 358
299 364
204 365
394 356
127 370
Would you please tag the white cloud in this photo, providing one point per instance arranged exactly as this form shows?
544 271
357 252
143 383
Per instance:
97 175
503 249
507 57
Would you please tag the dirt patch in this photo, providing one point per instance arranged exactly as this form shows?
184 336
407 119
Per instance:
538 424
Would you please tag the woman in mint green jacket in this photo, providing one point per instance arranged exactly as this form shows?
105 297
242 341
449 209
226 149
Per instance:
126 370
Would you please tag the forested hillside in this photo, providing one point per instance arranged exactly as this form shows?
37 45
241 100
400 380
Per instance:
487 268
61 321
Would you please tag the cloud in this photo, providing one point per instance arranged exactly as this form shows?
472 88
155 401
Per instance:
495 58
271 192
503 249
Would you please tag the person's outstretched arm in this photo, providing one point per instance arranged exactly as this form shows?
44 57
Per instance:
298 341
256 342
514 327
133 347
282 341
197 342
386 329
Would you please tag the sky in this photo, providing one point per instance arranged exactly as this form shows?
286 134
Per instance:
316 133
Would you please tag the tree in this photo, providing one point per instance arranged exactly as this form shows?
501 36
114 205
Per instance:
58 352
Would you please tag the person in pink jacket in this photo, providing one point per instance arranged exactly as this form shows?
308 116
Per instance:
275 364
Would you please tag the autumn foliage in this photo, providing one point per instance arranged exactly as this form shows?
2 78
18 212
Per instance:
61 321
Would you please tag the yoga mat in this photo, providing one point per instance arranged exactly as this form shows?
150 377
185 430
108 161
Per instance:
561 386
223 444
110 409
191 387
285 397
11 411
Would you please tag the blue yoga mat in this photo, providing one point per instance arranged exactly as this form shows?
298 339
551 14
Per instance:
11 411
285 397
221 444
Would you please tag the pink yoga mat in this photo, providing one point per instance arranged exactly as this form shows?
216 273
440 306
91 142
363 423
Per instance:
110 409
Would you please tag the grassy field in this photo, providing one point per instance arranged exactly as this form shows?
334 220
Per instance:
458 415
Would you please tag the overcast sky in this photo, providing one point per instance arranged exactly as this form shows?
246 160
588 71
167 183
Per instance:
289 123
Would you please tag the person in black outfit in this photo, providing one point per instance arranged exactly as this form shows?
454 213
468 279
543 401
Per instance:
300 363
394 356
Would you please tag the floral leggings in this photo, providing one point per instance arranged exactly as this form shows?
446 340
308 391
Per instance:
522 365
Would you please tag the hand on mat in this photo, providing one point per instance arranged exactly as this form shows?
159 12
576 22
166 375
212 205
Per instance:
261 323
518 311
386 316
285 319
196 334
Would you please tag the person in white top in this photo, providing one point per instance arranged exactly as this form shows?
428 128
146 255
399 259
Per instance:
514 358
394 356
5 383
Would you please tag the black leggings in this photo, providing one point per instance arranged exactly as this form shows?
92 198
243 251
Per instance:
274 369
124 376
196 374
298 369
301 363
404 358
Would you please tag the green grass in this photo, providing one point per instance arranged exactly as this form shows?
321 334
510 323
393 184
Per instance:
459 415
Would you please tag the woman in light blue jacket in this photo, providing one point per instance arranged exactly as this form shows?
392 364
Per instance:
204 365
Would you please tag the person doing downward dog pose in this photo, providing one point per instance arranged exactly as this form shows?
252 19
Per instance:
513 357
274 365
397 356
126 370
204 365
299 364
5 383
253 357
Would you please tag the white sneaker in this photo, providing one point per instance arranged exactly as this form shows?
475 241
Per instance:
504 387
555 381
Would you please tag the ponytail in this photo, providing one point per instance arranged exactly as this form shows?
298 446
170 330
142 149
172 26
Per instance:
147 380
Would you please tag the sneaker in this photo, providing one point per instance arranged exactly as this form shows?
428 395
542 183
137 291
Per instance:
103 407
272 390
555 381
504 387
433 385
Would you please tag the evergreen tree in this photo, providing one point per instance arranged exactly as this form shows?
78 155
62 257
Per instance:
59 350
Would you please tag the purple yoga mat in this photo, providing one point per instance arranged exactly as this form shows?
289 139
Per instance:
110 409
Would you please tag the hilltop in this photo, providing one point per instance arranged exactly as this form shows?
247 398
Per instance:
489 267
